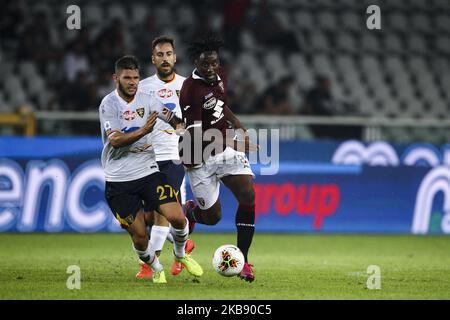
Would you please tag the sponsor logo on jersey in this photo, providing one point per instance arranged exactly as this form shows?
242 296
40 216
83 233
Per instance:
170 106
222 88
165 93
140 112
211 103
209 95
129 115
128 130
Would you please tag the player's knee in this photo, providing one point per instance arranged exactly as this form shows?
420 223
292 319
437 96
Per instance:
213 219
247 196
178 222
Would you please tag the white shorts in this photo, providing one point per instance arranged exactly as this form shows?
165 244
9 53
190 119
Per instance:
205 180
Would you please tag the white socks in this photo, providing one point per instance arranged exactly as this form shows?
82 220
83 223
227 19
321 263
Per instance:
158 236
149 258
170 237
179 236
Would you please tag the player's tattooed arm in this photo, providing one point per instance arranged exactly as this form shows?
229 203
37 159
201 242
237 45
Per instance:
119 139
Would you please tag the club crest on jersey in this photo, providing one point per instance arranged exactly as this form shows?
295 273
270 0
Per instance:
222 88
165 93
140 112
211 103
129 219
178 93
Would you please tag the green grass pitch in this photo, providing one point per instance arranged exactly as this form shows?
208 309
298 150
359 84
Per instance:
33 266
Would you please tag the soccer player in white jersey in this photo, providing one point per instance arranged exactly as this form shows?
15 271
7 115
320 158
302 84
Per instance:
133 180
165 85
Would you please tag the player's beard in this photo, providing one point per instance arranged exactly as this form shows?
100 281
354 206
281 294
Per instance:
165 74
123 91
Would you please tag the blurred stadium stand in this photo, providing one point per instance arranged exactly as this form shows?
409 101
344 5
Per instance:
401 71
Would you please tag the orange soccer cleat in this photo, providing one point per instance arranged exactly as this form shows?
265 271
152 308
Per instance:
177 267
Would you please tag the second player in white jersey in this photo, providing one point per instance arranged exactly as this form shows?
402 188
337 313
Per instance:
165 86
138 159
163 137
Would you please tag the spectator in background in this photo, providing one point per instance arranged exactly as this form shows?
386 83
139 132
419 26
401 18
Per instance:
319 101
241 90
105 85
80 95
110 45
275 100
75 61
38 42
144 36
269 32
242 95
12 22
234 19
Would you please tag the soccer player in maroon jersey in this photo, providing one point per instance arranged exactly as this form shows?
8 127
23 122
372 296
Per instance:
203 101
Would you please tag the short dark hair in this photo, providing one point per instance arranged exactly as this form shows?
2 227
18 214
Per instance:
126 62
162 39
205 44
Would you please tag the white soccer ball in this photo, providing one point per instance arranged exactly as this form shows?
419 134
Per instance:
228 260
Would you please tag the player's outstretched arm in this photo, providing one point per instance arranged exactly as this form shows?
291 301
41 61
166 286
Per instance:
243 143
231 118
119 139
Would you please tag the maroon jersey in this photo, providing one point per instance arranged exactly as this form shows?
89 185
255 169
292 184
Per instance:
203 102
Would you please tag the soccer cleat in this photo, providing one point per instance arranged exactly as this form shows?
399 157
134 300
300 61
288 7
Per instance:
189 206
191 265
145 273
247 273
177 267
159 277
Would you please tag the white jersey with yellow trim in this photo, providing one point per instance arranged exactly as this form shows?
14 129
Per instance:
137 160
163 137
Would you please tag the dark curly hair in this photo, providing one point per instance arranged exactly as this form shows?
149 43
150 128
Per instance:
205 44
